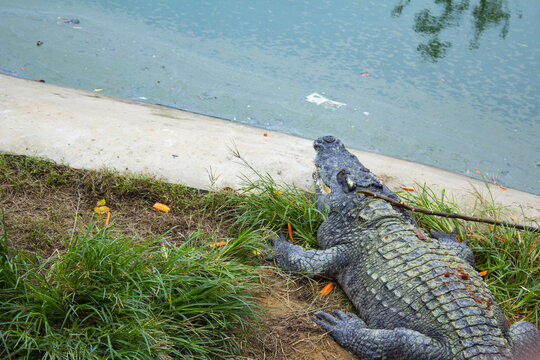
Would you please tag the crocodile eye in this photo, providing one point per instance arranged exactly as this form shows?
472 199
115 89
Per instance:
350 182
329 138
346 180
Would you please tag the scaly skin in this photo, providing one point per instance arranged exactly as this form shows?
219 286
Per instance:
416 299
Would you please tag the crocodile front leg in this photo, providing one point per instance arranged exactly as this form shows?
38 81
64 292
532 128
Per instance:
296 259
370 344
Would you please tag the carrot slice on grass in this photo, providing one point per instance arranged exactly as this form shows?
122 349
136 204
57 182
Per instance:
161 207
101 208
326 290
221 243
290 231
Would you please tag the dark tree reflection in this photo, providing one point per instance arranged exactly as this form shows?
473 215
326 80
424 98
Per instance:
485 14
489 14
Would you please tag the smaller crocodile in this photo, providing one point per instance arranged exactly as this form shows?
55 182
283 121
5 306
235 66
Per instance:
417 297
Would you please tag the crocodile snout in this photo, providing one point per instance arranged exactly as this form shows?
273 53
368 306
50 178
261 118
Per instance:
328 139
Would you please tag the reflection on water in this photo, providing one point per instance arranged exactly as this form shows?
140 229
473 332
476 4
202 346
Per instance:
486 14
490 14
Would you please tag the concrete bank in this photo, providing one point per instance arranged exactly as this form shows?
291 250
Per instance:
89 130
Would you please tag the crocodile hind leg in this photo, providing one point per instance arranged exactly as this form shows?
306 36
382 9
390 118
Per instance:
370 344
451 242
526 341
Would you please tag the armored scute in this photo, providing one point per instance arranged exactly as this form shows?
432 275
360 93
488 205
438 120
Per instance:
417 297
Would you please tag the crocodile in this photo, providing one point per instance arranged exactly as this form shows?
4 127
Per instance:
417 296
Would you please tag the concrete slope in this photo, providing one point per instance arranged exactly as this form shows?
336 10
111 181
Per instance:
88 130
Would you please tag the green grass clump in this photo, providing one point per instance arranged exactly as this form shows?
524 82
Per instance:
115 297
510 257
262 203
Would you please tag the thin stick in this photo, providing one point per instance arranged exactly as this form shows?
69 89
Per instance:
449 215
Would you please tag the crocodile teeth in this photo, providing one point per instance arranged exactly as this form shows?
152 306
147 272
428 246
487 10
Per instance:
321 184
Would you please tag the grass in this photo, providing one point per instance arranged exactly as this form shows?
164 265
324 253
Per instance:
112 296
151 286
263 203
148 287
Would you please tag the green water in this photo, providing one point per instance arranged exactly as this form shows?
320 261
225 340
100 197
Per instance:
453 84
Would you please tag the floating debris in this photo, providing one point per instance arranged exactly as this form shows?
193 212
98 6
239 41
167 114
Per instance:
71 21
326 103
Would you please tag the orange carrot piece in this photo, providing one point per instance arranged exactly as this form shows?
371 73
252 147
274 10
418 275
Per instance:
503 187
477 171
497 237
326 290
534 243
406 188
161 207
221 243
290 231
108 218
483 273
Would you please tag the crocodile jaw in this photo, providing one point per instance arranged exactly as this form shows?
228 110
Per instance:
319 182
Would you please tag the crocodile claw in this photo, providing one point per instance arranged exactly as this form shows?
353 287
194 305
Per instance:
282 247
339 321
278 240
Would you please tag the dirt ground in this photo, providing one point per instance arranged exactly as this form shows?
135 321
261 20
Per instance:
290 333
42 212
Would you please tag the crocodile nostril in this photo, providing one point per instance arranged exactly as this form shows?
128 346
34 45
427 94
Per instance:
329 138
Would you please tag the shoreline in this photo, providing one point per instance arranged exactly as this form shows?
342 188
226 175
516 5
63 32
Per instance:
88 130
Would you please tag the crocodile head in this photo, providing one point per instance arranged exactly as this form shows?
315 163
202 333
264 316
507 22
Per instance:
339 174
